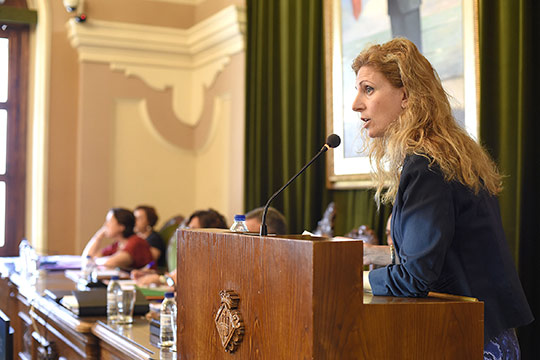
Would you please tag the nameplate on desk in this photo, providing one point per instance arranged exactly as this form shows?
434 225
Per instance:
94 303
60 262
102 274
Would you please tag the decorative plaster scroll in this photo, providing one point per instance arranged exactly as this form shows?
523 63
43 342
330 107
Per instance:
186 60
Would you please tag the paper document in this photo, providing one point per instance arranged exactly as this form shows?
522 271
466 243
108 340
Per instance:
102 274
310 234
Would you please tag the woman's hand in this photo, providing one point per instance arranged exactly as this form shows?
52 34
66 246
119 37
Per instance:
100 234
377 255
93 248
149 279
139 273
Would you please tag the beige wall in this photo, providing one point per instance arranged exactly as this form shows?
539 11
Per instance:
114 140
62 136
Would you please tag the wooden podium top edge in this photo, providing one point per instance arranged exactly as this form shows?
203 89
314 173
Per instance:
272 236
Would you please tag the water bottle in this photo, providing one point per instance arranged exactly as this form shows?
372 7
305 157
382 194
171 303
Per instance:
167 321
29 259
33 261
114 301
88 267
23 257
239 224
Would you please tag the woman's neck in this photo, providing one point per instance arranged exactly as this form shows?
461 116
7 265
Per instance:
145 234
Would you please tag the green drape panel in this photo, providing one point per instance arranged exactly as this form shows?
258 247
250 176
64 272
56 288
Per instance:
357 207
509 76
285 107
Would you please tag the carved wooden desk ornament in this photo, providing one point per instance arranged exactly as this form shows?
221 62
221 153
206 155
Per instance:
229 323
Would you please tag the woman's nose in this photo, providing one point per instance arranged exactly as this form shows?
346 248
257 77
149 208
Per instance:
358 105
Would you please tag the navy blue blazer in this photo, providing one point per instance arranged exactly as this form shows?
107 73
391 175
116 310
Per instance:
452 241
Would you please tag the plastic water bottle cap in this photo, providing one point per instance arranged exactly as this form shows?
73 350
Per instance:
169 295
88 257
115 277
239 217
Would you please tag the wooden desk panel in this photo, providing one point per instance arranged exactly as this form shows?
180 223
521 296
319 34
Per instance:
10 306
123 342
73 337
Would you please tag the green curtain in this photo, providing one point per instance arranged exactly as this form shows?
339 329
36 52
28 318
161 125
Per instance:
358 207
509 127
285 107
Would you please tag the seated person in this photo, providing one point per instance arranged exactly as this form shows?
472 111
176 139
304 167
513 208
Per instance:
145 220
128 250
206 219
275 221
201 219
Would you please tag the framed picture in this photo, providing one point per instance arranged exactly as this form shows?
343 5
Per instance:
445 31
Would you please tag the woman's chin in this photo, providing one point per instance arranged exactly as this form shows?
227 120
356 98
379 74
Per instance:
373 134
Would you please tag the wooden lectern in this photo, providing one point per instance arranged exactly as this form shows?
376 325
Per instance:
299 297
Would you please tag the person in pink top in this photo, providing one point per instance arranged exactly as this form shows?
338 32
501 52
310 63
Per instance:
128 251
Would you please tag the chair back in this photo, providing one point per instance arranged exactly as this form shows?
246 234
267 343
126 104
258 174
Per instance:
167 233
168 229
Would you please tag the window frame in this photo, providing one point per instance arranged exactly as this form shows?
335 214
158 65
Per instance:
17 118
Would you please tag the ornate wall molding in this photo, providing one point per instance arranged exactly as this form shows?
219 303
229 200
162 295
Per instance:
186 60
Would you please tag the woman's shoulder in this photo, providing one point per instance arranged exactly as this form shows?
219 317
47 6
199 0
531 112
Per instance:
136 239
154 235
417 162
421 170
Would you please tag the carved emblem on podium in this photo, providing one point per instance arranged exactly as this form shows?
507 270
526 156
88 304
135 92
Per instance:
229 323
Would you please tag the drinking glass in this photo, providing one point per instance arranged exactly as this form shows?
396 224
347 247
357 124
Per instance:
129 294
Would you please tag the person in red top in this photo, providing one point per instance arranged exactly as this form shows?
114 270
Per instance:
128 250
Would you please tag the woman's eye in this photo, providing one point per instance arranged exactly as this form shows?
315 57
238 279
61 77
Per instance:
369 90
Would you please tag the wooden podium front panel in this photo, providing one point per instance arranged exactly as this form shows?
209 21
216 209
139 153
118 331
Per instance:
338 299
274 279
427 328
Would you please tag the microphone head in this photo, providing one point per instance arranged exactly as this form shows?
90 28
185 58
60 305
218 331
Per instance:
333 140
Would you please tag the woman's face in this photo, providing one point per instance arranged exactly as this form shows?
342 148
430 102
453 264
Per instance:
112 227
194 223
378 102
141 221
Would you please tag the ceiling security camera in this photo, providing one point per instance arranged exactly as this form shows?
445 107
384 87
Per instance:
71 5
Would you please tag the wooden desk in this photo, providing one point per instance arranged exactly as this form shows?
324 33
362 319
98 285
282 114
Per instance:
128 342
72 337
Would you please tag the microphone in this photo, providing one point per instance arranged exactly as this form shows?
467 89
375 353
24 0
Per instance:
332 141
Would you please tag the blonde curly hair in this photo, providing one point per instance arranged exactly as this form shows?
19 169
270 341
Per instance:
426 126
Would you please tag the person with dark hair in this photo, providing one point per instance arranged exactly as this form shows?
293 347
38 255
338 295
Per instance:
446 224
275 221
128 250
145 220
201 219
206 219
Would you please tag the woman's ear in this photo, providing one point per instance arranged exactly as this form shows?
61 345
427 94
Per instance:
404 99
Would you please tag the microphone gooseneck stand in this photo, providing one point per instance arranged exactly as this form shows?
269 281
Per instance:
332 141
